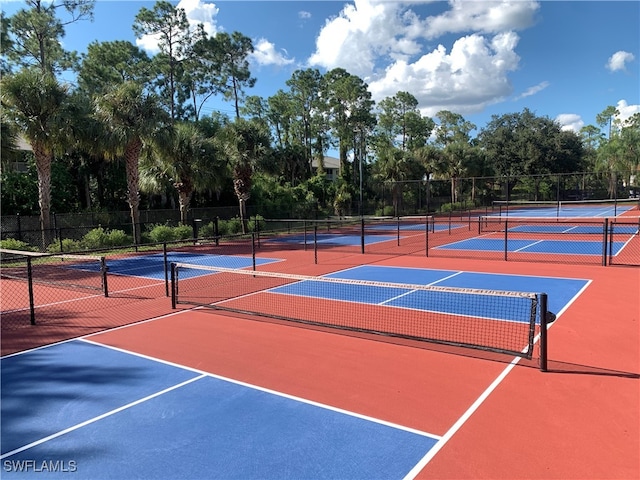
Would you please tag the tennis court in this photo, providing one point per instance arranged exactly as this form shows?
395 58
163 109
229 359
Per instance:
566 247
126 414
285 377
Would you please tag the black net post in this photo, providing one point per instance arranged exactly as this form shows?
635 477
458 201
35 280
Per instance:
32 308
103 272
361 235
543 332
174 292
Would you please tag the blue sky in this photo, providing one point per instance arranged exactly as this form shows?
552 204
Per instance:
565 60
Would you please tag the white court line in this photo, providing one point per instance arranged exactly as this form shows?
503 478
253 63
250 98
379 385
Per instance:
82 299
480 400
527 246
99 417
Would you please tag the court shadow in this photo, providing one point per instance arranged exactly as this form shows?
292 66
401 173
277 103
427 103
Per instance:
577 369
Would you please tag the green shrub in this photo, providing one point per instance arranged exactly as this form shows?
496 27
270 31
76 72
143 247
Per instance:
68 245
117 238
161 233
182 232
259 220
13 244
206 231
234 226
95 239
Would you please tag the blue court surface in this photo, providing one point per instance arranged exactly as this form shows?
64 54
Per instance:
415 227
575 229
107 414
333 239
602 211
153 267
79 407
564 247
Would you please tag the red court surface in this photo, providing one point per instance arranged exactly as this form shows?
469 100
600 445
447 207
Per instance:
499 418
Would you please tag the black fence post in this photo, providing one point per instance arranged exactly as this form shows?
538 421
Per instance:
506 238
315 244
253 250
426 236
32 308
165 260
605 233
19 226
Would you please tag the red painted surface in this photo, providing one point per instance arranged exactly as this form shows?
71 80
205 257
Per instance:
580 420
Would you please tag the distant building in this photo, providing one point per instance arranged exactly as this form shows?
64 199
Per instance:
331 167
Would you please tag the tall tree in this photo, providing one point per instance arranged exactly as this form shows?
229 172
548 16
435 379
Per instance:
106 64
170 26
245 144
234 73
186 159
133 118
36 102
349 109
305 88
36 34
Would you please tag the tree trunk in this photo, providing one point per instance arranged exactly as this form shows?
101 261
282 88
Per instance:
184 199
43 167
131 156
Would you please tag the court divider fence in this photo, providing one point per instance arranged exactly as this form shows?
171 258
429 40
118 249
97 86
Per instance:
473 235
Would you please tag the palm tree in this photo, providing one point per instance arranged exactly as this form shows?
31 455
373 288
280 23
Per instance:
133 119
245 143
35 102
392 166
186 160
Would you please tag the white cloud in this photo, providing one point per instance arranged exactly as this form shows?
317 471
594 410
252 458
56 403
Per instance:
470 77
265 53
482 17
383 42
197 12
303 14
570 121
618 60
533 90
626 111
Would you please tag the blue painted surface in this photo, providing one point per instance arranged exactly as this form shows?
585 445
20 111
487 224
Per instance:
576 229
152 266
208 428
533 246
565 212
53 388
374 273
333 239
560 291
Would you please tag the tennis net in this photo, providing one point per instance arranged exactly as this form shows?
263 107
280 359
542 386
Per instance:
58 270
576 208
490 320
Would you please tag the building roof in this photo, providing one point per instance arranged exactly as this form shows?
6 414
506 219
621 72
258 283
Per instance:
329 162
